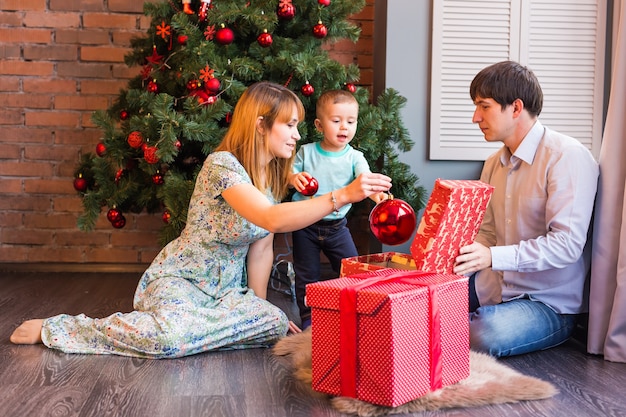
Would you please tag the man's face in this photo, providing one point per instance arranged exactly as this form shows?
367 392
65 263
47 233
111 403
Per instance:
497 124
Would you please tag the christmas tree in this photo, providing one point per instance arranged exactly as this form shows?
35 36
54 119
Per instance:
197 59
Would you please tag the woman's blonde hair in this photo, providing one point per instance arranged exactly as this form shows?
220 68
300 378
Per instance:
274 103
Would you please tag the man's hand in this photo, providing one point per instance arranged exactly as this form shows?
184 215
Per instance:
472 258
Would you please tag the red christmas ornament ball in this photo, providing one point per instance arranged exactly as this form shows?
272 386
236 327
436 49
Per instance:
100 149
135 139
201 96
311 188
120 222
166 216
80 184
307 90
182 39
320 31
123 115
392 221
351 87
286 11
149 154
192 85
178 144
158 178
324 3
153 87
265 39
213 85
114 215
224 36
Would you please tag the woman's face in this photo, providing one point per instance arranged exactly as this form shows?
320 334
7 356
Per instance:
283 136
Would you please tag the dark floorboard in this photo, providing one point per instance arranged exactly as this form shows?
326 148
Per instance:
36 381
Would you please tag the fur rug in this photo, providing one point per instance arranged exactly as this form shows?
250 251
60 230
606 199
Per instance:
490 382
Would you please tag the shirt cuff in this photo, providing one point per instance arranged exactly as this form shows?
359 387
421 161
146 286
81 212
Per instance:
504 258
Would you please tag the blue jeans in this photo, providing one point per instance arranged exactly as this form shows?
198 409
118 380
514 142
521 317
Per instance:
333 238
517 326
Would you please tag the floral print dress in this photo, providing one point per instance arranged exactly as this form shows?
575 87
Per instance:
193 298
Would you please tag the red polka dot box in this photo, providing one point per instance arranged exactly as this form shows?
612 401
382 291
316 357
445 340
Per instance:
451 220
389 336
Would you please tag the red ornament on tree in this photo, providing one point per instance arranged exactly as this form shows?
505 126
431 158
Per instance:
265 39
178 144
119 223
153 87
351 87
192 85
114 215
311 188
224 36
182 39
100 149
158 178
80 184
307 90
213 85
149 154
201 96
166 216
319 30
135 139
204 8
123 115
392 221
118 175
286 10
324 3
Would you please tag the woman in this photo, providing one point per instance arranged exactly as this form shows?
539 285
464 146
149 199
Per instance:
206 290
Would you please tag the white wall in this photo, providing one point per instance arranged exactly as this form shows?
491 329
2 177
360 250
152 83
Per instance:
407 70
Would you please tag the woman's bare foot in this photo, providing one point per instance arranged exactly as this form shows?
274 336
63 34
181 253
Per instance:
28 333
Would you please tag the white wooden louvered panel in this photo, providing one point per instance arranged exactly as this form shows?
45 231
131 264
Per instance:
565 49
560 40
466 35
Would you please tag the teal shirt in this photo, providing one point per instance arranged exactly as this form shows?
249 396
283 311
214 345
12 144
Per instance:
332 170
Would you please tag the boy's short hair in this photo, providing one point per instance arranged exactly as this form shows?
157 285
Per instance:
333 97
506 82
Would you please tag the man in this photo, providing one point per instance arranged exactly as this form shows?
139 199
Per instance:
528 264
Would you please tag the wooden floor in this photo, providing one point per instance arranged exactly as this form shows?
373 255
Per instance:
36 381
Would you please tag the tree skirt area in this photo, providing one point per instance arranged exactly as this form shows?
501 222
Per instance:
490 382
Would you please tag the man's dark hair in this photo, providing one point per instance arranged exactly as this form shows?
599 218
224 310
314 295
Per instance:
506 82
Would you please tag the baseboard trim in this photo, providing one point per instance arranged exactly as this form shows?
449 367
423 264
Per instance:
72 267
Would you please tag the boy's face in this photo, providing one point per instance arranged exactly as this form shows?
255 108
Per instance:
338 124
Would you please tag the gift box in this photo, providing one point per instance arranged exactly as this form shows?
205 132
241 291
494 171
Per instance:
389 336
451 219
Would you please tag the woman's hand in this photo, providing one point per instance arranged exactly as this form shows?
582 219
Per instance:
365 185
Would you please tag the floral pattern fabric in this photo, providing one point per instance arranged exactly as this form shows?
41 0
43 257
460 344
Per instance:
193 298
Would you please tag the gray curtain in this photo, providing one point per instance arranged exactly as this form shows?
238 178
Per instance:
607 298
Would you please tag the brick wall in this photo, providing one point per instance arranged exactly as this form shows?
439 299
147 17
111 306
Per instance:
59 61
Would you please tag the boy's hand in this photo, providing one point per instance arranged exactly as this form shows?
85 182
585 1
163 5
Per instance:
299 180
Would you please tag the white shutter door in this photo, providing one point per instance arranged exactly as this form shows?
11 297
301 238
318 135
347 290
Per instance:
562 41
566 51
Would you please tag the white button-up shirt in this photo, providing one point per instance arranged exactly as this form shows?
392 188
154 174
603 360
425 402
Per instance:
537 221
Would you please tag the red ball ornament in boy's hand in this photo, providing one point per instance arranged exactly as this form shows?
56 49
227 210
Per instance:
311 188
392 221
